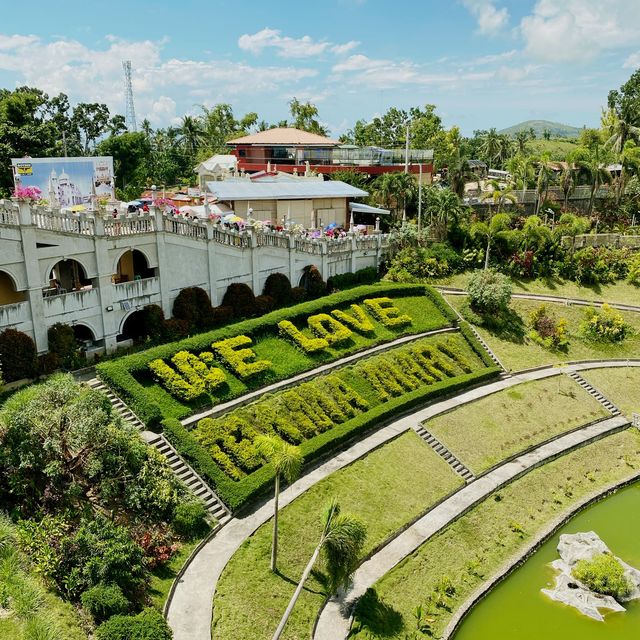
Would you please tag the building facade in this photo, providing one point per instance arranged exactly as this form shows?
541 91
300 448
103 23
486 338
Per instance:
95 272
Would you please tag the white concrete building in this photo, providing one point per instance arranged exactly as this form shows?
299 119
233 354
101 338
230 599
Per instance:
94 272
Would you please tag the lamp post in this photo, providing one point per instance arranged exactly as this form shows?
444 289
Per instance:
419 196
406 149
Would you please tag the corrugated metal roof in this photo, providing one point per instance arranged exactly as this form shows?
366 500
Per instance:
294 190
286 136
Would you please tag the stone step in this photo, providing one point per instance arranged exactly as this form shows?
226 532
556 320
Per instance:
446 455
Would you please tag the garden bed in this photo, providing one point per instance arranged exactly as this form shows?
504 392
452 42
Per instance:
451 565
485 432
204 374
386 489
324 414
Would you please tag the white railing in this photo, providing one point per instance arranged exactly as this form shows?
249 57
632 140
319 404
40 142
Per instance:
12 314
185 228
125 226
136 289
8 217
269 239
62 222
231 238
313 247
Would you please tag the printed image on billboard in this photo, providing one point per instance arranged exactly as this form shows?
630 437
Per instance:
66 181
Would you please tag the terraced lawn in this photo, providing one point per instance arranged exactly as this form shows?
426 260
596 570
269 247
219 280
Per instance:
516 352
387 489
621 385
486 431
621 291
451 565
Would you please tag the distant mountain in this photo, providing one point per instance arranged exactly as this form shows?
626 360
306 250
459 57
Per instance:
556 129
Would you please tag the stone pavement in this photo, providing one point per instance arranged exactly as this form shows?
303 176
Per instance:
189 612
335 619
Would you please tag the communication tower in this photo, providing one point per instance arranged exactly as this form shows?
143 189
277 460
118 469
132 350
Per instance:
130 111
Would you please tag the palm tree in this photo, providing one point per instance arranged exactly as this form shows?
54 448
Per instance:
543 180
459 174
567 181
506 149
499 194
630 161
191 134
287 462
521 168
341 542
589 162
443 206
499 222
521 138
491 145
618 130
395 188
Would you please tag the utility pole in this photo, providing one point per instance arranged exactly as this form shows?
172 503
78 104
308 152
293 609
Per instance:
419 197
406 150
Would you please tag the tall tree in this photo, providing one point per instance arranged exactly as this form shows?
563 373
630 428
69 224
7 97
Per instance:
589 161
341 543
286 460
305 117
497 224
443 208
625 102
91 121
191 134
491 146
499 194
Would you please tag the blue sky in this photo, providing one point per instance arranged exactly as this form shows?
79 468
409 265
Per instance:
483 63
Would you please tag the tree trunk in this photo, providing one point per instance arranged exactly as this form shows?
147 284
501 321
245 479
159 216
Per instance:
274 541
593 197
298 591
486 255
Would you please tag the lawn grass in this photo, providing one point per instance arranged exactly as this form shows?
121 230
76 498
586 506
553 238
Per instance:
516 352
288 360
620 291
484 432
386 489
162 577
621 385
471 549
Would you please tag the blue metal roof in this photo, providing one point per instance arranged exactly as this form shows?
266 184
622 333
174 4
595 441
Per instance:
290 190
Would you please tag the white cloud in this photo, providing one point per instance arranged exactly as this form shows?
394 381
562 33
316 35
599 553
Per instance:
491 20
287 47
632 61
95 75
579 30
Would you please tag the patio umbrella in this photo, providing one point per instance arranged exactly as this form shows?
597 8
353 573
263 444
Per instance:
134 203
331 225
78 207
232 217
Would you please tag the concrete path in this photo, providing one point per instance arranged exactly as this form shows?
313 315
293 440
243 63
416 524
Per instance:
545 298
189 612
335 619
312 373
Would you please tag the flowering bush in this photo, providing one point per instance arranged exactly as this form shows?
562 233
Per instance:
158 545
27 193
606 325
324 326
241 361
384 311
546 330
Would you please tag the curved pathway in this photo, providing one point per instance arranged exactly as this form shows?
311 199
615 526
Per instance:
189 612
334 621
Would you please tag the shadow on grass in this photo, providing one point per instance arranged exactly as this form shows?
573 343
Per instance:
318 575
505 324
376 617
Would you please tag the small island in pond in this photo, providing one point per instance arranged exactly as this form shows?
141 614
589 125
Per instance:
590 577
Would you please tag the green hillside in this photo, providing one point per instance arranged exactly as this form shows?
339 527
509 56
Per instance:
556 129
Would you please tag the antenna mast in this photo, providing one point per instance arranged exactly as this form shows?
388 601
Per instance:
130 112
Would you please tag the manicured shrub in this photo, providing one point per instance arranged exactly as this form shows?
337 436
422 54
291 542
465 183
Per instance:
241 361
312 282
603 574
221 316
327 327
341 281
264 304
154 322
104 601
63 345
298 294
606 325
368 275
18 357
175 329
546 330
384 310
489 291
193 305
147 625
240 298
306 343
278 287
190 520
357 319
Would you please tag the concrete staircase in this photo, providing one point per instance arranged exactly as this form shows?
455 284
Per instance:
492 355
190 478
442 451
591 390
178 465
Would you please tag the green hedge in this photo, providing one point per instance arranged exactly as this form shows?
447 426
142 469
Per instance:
235 494
118 374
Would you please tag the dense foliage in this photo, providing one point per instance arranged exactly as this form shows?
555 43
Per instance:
17 355
603 574
489 291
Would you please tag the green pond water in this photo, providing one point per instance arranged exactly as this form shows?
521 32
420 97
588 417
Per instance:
517 610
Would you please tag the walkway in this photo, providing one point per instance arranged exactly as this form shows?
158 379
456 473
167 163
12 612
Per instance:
189 612
335 619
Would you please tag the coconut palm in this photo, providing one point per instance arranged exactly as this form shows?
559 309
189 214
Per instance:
499 194
287 463
459 174
521 138
395 189
544 177
341 543
443 207
491 145
191 134
590 163
521 168
505 151
630 161
567 181
617 130
499 222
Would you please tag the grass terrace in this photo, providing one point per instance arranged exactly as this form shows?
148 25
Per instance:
620 291
508 338
328 411
620 385
446 569
178 379
491 429
387 489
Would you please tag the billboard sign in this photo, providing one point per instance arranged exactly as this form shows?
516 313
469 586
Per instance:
67 181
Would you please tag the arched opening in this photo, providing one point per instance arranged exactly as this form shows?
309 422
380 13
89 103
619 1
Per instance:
67 275
83 335
132 265
134 327
8 292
